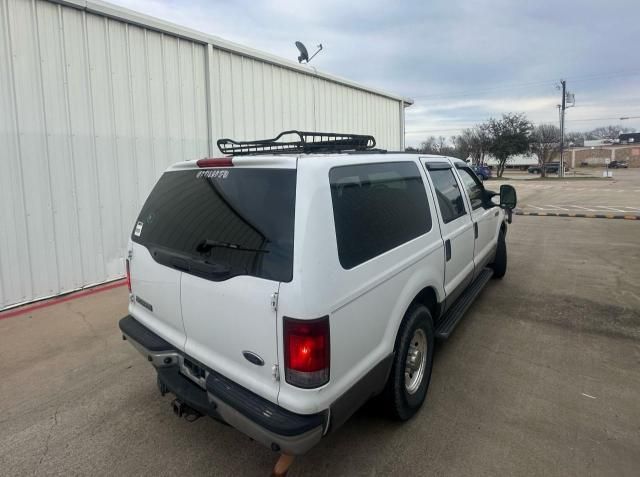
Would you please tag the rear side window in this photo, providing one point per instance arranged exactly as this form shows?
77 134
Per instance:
377 207
448 192
219 223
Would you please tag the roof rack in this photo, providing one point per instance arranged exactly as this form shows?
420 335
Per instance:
305 142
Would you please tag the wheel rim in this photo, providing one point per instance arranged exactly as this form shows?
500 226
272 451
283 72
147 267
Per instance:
416 361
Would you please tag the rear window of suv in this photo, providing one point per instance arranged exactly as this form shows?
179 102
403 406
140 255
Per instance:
220 223
377 207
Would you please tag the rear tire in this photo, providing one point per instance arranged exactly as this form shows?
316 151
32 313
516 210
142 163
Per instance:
410 374
499 264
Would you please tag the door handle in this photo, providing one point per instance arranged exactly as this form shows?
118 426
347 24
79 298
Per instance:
475 230
180 264
447 249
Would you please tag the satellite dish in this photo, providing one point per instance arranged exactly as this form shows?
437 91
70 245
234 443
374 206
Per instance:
304 54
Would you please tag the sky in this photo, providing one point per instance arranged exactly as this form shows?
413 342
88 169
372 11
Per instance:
462 62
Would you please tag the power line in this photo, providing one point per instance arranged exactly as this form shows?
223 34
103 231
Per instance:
618 118
422 131
550 82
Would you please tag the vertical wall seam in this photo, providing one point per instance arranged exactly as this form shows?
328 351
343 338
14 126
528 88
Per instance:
208 97
132 115
19 145
167 133
94 146
254 105
150 130
220 113
231 95
67 105
10 74
263 67
180 99
114 128
208 94
196 122
47 152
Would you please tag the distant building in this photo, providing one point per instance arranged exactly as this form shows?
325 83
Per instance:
518 161
629 138
598 142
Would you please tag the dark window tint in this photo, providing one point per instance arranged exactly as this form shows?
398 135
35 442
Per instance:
377 207
472 186
448 192
218 223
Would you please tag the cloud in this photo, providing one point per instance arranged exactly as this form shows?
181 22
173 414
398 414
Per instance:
461 61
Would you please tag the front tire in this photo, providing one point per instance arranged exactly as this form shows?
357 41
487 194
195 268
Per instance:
410 374
499 264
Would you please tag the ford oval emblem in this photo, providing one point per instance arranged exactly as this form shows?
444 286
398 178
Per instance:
253 358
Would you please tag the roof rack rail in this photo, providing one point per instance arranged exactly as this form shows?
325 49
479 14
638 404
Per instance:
305 142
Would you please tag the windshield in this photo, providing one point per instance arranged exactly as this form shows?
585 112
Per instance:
219 223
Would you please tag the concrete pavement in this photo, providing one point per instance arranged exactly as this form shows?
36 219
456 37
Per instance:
579 194
542 377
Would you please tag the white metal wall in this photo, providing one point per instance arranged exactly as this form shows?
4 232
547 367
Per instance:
93 109
252 99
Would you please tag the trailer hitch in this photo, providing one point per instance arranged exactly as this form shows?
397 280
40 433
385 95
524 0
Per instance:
181 409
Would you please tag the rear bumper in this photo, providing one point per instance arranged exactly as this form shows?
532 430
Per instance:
224 400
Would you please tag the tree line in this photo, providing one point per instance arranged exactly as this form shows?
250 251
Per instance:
510 135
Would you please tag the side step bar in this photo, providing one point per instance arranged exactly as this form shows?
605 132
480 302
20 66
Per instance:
453 316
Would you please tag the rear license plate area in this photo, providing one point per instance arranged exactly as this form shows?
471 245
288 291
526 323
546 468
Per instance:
194 371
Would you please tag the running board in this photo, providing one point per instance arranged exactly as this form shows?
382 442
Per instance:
453 316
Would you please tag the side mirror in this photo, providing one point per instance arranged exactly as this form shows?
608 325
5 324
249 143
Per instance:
508 198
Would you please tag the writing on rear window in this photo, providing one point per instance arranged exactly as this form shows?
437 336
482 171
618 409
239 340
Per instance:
217 174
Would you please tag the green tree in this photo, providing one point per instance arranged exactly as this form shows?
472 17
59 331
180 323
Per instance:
510 135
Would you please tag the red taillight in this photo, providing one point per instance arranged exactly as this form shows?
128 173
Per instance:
128 275
215 162
306 352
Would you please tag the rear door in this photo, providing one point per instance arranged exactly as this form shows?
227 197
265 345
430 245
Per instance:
211 247
485 221
238 226
456 227
155 295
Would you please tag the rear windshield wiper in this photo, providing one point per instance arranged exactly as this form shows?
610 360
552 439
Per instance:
206 245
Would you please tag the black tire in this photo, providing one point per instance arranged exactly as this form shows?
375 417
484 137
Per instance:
499 264
397 400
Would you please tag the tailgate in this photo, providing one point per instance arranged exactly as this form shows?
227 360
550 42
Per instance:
231 328
216 242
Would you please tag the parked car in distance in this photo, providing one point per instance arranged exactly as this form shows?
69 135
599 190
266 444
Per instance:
483 172
618 165
278 290
549 167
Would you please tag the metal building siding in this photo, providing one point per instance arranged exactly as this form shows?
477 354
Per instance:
97 101
252 99
92 110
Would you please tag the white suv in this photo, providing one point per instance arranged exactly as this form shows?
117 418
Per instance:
281 288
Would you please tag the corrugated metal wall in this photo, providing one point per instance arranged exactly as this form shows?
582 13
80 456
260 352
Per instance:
93 109
253 99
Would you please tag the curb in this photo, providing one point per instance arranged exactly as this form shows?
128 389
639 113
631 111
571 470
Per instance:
72 295
585 216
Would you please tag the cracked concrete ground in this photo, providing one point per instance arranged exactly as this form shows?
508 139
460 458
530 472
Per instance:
542 377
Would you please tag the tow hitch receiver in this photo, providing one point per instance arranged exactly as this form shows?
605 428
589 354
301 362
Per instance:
180 409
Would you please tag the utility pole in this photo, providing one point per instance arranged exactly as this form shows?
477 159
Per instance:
562 108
